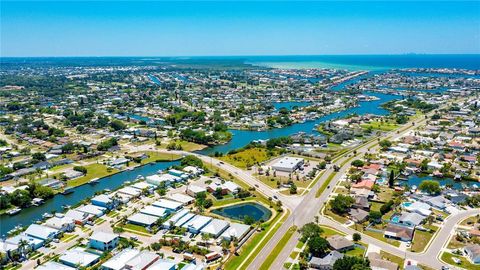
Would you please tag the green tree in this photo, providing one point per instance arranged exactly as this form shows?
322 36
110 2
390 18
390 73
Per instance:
391 179
351 263
357 163
341 204
430 187
356 237
310 230
318 246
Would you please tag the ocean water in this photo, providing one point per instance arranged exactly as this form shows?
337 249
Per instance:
369 62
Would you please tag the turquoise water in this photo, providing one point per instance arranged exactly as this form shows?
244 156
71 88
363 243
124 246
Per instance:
29 215
416 180
395 219
239 211
241 138
406 204
369 62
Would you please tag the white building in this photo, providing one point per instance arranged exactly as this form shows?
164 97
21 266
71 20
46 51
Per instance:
288 164
51 265
142 219
236 230
181 198
215 228
170 206
78 257
154 211
197 223
91 209
119 261
41 232
64 224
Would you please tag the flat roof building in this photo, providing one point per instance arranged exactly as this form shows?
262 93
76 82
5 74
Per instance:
41 232
288 164
236 230
142 219
119 261
142 261
154 211
79 257
181 198
91 209
197 223
170 206
51 265
215 228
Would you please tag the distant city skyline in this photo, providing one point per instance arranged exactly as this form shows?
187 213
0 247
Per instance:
70 28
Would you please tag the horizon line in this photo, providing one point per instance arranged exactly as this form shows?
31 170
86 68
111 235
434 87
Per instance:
245 55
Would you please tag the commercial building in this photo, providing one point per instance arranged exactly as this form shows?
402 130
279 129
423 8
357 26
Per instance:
288 164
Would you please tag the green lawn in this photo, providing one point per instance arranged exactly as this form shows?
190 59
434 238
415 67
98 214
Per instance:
278 248
136 229
357 252
157 156
248 157
464 263
383 126
421 239
328 231
234 262
93 171
68 237
325 184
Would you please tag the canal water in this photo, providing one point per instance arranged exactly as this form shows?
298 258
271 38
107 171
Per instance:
240 211
31 214
415 180
241 138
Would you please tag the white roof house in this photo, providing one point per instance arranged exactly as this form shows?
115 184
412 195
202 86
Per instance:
143 185
186 218
287 164
78 257
60 223
236 230
197 223
130 191
142 219
92 210
142 260
162 264
193 170
154 211
193 190
181 198
102 199
103 237
51 265
168 205
163 178
175 218
77 215
33 242
119 261
216 227
41 232
419 207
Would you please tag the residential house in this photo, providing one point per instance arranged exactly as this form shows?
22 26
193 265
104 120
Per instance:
473 253
340 243
327 262
399 232
103 241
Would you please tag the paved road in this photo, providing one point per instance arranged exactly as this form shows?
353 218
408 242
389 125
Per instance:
310 206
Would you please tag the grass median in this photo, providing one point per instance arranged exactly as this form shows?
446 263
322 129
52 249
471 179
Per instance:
278 248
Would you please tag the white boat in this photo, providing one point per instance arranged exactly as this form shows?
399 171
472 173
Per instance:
14 211
47 215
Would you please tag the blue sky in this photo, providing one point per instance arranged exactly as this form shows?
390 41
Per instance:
156 28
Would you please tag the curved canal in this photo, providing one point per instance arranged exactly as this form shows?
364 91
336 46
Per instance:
31 214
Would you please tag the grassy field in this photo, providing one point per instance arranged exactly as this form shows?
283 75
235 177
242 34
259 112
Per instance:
186 146
93 171
328 231
136 229
278 248
383 126
421 239
357 252
325 184
234 262
157 156
247 157
464 263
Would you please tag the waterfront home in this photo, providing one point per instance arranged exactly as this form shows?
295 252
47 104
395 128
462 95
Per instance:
327 262
162 264
181 198
130 191
170 206
8 248
399 232
142 219
103 200
142 261
78 257
288 164
340 243
215 228
154 211
72 174
236 230
166 179
473 253
41 232
51 183
118 162
51 265
63 224
103 241
197 223
192 170
119 261
78 217
178 173
93 210
143 186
